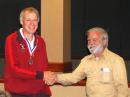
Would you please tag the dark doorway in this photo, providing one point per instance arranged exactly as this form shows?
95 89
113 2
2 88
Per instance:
9 17
113 15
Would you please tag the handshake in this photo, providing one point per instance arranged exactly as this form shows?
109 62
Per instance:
50 77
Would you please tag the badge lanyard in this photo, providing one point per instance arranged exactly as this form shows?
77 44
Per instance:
31 47
31 50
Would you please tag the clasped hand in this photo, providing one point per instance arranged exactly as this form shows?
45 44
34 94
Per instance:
49 77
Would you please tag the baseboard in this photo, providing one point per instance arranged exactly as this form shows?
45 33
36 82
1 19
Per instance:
60 67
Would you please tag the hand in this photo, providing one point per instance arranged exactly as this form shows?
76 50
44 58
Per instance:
50 77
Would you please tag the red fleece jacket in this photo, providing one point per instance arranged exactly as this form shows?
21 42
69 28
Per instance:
20 76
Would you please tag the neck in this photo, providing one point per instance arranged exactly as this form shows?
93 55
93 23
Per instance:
99 54
29 36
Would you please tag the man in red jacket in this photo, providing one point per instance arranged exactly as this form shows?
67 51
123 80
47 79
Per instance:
26 59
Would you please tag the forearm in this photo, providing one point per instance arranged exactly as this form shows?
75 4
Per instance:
68 79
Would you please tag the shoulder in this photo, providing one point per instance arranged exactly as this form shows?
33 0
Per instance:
86 58
11 36
115 57
40 40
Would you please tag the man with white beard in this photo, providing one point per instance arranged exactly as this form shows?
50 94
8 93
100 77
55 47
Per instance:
105 70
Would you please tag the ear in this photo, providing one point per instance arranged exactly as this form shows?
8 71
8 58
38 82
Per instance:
21 22
105 43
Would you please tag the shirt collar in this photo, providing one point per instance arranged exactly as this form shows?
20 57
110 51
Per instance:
21 32
104 54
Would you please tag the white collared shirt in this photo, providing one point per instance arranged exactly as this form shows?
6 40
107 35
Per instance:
30 44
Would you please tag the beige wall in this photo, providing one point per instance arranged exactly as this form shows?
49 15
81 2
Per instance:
68 91
55 28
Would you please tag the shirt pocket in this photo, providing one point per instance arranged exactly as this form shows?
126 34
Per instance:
106 75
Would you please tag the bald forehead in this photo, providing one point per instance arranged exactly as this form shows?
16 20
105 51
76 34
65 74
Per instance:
94 34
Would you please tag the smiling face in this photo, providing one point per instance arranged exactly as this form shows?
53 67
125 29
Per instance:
29 22
95 42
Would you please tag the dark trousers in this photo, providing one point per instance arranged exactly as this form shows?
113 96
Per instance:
29 95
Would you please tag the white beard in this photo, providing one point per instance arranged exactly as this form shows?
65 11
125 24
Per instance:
95 49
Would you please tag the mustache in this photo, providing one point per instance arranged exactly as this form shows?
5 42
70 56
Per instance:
91 47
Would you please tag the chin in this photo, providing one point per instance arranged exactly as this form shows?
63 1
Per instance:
32 32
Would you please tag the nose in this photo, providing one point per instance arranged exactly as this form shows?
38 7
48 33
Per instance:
32 22
91 42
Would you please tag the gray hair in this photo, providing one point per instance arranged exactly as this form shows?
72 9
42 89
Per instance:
104 34
29 9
